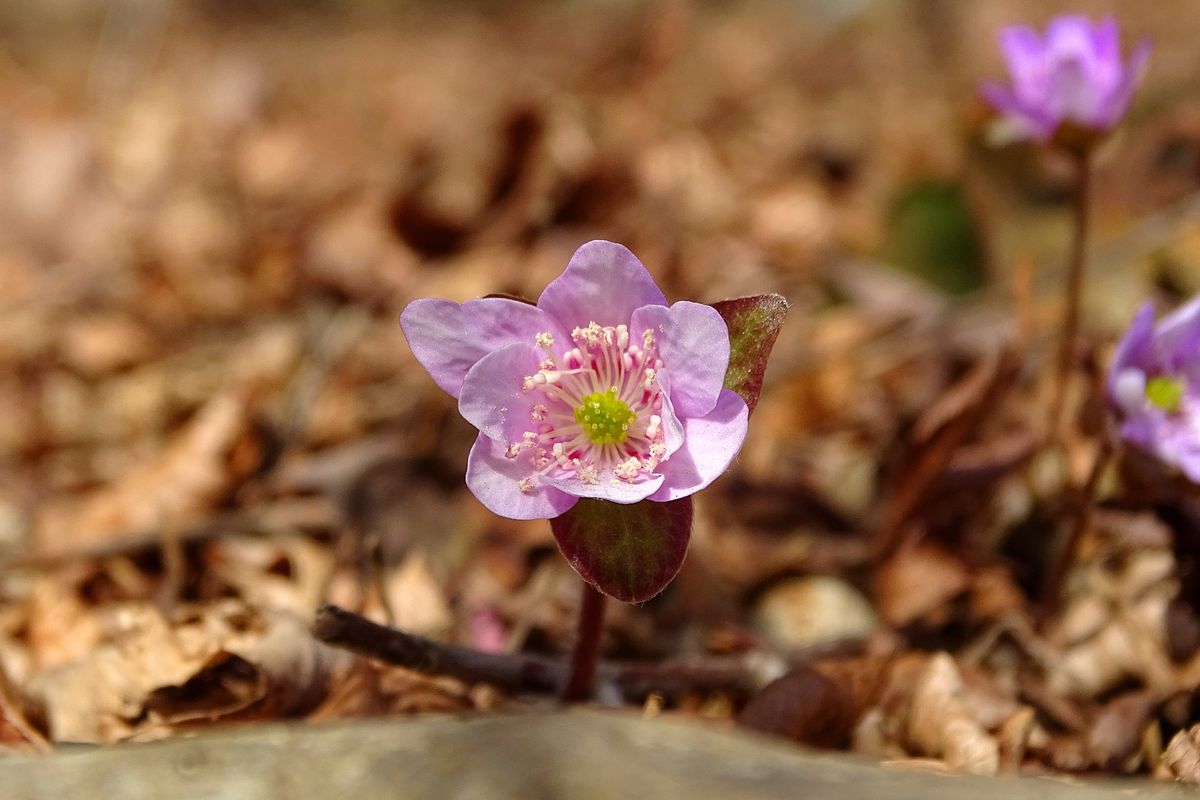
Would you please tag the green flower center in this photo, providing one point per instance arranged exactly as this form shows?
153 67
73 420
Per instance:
604 417
1165 393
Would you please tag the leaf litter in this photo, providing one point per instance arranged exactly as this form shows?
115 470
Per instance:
211 426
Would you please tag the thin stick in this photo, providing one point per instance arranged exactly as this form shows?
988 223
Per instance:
523 674
586 655
1073 288
339 627
1052 591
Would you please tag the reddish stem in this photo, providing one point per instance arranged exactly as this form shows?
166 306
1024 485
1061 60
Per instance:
586 655
1074 288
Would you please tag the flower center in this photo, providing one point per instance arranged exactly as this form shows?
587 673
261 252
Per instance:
604 417
1165 393
595 409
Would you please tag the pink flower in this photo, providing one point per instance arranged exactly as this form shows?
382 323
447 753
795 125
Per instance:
1154 386
601 390
1075 75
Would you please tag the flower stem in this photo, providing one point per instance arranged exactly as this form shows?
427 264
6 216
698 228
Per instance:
1052 589
586 654
1073 288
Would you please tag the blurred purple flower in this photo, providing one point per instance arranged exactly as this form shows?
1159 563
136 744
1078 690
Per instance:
1154 384
601 390
1074 75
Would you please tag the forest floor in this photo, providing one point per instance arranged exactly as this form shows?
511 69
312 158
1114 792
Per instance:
211 424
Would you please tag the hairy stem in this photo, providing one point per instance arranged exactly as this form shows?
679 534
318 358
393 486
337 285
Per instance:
586 655
1073 288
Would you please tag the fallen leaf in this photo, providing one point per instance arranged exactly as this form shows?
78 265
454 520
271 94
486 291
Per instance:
941 724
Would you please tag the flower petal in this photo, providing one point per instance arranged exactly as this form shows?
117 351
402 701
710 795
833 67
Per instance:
1121 95
493 398
1022 49
448 338
1135 350
1106 43
672 427
710 444
1025 122
693 342
493 479
605 283
609 487
1177 337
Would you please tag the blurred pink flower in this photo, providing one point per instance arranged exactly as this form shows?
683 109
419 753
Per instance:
1075 75
1154 385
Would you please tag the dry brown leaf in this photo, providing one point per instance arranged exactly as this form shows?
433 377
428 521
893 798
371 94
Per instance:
1115 737
194 471
918 581
224 659
941 723
415 598
802 612
1181 760
937 436
276 672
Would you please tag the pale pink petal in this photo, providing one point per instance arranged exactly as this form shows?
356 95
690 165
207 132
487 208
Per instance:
495 479
1136 349
493 398
693 342
1106 42
448 338
603 283
1121 96
710 444
1177 337
609 487
671 425
1026 122
1023 53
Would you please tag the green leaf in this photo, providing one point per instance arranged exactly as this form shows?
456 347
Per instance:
933 234
630 552
754 324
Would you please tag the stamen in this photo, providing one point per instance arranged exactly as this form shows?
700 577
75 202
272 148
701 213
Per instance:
629 469
598 411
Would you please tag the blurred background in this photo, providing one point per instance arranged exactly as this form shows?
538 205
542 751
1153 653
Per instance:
212 213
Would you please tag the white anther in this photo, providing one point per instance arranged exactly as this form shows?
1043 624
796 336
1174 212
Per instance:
629 469
586 472
526 484
543 339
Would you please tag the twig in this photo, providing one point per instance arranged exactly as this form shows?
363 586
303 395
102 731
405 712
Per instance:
525 674
518 673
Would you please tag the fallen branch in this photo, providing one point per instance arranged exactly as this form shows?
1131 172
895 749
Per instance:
528 674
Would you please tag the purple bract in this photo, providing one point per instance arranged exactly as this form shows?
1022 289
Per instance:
601 390
1073 75
1154 384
